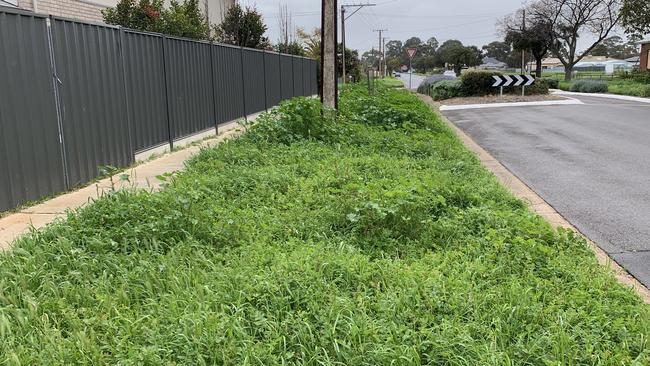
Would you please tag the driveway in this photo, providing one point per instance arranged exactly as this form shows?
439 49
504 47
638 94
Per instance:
590 162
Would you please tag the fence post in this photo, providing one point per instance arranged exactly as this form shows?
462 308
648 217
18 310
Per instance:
266 99
280 73
214 91
57 101
167 96
129 123
243 83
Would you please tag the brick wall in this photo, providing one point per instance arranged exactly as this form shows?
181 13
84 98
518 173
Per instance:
644 63
65 8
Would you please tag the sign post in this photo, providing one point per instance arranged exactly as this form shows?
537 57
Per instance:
411 52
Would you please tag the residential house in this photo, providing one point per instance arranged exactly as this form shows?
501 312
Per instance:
91 10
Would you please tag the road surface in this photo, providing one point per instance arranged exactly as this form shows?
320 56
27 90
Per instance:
590 162
415 82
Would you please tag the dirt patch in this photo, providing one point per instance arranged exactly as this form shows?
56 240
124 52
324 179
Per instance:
488 99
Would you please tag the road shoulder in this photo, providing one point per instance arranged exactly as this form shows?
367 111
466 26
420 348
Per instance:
539 205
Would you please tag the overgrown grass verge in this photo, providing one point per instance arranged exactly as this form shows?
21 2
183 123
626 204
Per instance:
617 86
371 238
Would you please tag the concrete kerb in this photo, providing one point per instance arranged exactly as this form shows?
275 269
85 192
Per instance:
142 176
540 206
567 101
602 95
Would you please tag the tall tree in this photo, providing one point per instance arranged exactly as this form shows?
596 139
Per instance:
186 20
635 16
310 42
615 47
352 63
243 27
454 53
498 50
571 19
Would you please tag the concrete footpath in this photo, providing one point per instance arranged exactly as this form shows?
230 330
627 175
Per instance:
142 176
540 206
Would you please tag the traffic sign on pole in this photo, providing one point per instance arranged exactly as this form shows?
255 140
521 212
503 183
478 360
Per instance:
411 52
513 80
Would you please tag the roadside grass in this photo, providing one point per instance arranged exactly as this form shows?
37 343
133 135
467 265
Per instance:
391 82
372 239
618 86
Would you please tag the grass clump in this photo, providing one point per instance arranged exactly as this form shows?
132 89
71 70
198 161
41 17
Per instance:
389 246
447 89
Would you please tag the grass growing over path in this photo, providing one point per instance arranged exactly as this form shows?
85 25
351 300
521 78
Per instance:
373 240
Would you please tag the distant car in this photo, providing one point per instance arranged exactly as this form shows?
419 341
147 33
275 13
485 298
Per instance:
396 74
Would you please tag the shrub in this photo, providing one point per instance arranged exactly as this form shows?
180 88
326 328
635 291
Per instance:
429 82
540 86
447 89
589 86
550 82
479 83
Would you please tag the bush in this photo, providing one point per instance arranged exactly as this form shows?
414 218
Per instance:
589 86
479 83
429 82
447 89
540 86
550 82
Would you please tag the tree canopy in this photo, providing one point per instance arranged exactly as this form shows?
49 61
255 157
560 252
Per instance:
243 27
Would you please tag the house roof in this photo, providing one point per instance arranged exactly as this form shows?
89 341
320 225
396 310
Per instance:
645 40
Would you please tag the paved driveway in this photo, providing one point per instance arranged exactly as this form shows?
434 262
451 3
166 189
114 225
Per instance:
591 162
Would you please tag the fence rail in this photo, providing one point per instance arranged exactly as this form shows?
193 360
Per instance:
76 96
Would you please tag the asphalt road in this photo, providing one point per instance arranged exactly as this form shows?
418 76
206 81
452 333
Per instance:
590 162
415 82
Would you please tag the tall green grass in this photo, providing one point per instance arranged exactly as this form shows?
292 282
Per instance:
379 242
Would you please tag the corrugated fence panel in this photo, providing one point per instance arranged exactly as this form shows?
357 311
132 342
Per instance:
95 119
306 77
229 90
31 165
254 85
145 89
297 77
273 81
286 70
314 77
189 87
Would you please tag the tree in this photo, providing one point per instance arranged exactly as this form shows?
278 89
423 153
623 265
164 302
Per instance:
615 47
371 59
293 48
243 27
635 17
571 19
454 53
393 63
145 15
352 63
394 49
498 50
180 20
186 20
310 42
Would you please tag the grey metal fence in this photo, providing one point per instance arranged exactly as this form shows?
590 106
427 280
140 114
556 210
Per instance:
76 96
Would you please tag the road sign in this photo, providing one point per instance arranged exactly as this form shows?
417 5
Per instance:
411 52
513 80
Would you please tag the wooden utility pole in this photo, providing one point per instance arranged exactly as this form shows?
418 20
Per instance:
380 58
383 55
329 87
343 19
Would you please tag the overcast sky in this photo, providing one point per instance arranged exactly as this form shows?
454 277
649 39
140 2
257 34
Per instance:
470 21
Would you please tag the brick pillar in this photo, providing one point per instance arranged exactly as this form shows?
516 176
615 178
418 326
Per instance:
644 63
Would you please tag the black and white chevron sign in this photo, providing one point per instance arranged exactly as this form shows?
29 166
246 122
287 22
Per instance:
513 80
